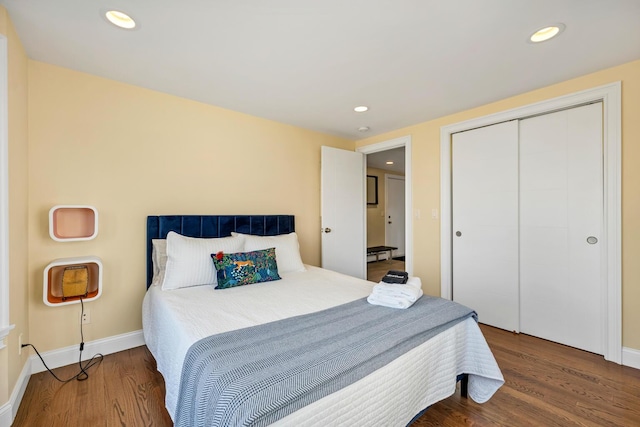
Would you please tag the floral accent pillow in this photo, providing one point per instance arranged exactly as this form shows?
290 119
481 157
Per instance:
245 268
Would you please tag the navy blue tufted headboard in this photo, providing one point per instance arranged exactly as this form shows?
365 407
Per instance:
214 226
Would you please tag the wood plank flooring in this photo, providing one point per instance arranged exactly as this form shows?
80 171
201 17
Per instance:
377 269
124 390
546 385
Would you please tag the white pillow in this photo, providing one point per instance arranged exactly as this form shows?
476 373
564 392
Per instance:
159 260
287 249
189 260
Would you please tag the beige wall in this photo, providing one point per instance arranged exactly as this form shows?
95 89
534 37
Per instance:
426 181
132 152
11 363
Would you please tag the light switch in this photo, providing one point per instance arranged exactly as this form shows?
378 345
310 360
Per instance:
434 213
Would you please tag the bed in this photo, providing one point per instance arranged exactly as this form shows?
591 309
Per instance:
176 321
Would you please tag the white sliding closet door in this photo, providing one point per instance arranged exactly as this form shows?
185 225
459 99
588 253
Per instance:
485 222
561 217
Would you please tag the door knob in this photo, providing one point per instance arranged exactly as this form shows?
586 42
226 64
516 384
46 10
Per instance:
327 230
592 240
458 233
389 222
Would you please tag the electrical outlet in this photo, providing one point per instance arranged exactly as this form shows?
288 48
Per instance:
86 317
19 344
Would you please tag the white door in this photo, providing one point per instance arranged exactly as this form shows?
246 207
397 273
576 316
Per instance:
485 223
561 219
343 207
394 213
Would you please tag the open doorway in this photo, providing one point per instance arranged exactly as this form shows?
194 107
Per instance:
386 212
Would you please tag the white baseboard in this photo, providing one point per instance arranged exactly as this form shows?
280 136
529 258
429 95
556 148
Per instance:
63 357
5 415
8 410
18 390
631 357
69 355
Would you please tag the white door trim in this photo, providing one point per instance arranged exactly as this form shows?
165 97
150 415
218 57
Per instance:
5 327
610 95
403 141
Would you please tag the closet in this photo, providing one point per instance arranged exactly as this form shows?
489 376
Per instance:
527 216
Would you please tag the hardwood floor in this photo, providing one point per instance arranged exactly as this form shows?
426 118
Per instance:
124 390
546 384
377 269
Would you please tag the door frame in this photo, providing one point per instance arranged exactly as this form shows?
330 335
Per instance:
403 141
610 95
387 177
5 325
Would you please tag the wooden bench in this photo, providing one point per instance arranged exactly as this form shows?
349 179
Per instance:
377 250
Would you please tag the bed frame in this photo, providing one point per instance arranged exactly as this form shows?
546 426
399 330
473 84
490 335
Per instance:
214 226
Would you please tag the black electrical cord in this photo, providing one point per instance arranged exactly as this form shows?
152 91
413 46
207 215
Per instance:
83 374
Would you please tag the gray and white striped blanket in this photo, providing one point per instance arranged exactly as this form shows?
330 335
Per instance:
257 375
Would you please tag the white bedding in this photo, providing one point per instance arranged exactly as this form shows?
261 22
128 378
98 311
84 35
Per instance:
175 319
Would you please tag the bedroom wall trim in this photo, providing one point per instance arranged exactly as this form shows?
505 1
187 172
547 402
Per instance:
69 355
5 327
10 409
403 141
631 357
5 414
610 95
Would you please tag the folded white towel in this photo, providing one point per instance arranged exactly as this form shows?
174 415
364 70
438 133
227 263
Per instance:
392 301
397 290
414 282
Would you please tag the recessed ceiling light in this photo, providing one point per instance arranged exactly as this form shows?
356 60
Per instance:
363 128
389 162
361 109
120 19
546 33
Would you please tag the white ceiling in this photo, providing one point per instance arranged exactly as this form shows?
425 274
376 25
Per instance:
379 160
309 62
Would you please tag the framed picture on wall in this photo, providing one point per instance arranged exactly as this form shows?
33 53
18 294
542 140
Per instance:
372 190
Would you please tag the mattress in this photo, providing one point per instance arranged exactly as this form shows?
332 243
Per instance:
173 320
